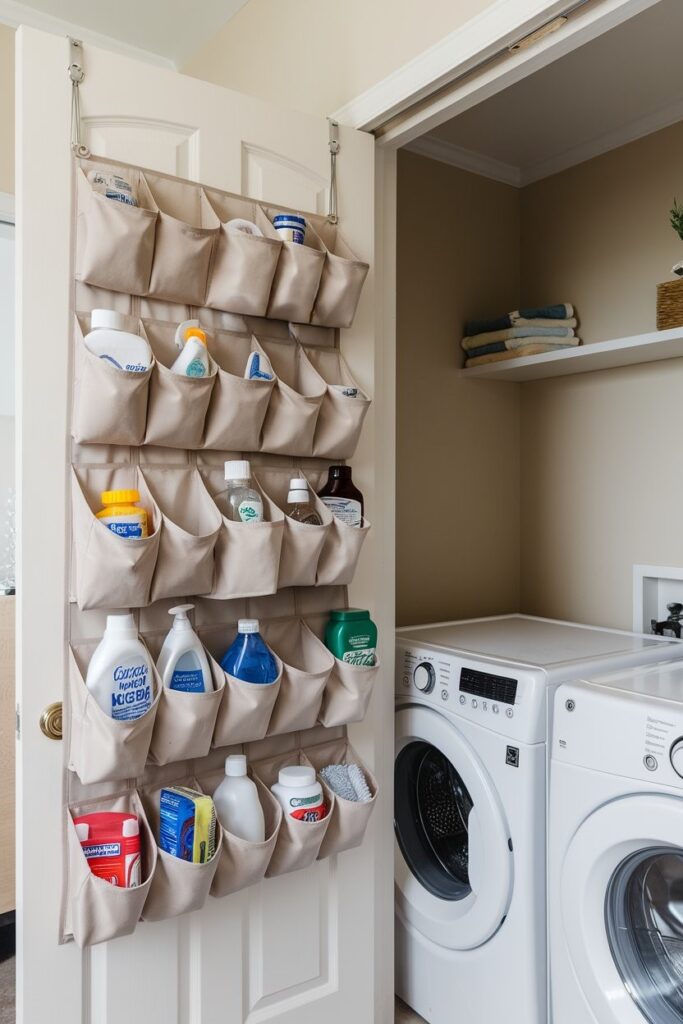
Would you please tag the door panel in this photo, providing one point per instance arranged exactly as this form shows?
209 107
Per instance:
302 947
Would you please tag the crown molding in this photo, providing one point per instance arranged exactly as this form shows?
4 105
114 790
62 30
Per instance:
466 159
14 14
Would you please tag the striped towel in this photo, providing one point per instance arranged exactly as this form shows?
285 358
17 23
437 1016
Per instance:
540 321
491 337
534 349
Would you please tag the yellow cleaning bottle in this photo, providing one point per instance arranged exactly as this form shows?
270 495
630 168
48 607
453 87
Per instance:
122 515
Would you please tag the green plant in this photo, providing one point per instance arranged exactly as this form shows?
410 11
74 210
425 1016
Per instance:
676 214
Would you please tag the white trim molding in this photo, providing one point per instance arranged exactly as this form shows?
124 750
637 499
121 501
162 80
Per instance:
6 208
466 159
14 13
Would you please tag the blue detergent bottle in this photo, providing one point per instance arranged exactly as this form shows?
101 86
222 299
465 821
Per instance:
248 658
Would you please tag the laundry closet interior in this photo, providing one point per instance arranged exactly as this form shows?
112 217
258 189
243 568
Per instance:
537 489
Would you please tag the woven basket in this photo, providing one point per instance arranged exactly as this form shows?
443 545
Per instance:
670 305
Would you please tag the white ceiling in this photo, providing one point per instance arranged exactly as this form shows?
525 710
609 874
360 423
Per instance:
618 87
172 30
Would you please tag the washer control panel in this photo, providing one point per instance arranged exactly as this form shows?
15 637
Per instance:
508 700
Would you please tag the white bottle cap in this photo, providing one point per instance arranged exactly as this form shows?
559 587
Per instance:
108 318
236 765
239 470
298 490
181 620
121 623
83 831
296 776
247 626
130 827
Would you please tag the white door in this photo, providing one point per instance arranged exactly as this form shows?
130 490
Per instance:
453 863
299 948
622 909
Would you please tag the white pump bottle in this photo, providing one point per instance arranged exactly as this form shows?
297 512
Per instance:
182 663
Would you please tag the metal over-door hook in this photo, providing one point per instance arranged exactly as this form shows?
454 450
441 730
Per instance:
77 75
333 211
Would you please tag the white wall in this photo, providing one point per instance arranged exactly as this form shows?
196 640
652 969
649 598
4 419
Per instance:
316 55
6 109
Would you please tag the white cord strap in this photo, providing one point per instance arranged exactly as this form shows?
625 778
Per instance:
76 74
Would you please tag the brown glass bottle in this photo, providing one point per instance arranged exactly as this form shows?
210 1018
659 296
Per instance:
342 497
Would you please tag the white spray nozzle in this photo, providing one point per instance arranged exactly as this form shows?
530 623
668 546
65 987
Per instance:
180 332
181 620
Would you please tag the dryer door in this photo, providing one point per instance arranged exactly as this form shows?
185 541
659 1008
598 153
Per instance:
622 909
452 853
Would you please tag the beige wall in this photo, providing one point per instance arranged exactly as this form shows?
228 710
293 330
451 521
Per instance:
316 55
601 485
458 443
6 109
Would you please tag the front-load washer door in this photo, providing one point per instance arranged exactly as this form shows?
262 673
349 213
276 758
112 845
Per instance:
453 862
622 909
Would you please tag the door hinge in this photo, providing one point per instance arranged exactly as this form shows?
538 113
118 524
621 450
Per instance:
17 720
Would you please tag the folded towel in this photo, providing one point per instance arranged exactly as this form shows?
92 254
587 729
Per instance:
490 337
562 311
498 323
541 321
516 343
528 350
347 781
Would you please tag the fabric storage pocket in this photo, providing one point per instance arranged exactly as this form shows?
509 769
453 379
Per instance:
191 525
340 554
178 403
247 555
242 863
306 667
185 721
348 692
115 241
295 402
111 571
246 708
298 842
298 272
302 543
110 404
96 910
343 409
341 282
101 748
187 229
349 818
238 406
244 261
178 886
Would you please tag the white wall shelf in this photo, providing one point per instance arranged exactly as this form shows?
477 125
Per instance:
603 355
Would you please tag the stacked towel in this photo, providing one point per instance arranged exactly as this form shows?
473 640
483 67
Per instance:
523 332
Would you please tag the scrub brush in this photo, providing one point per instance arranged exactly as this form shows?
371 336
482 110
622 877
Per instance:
347 781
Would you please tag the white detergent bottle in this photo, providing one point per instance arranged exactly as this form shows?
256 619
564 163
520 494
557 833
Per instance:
238 807
183 664
110 339
193 360
120 675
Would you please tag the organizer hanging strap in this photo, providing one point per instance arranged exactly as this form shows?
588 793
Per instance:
76 74
332 215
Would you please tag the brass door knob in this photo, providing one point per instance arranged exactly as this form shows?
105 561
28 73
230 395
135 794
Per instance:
51 721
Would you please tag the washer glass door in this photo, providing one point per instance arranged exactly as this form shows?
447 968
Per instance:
432 820
644 920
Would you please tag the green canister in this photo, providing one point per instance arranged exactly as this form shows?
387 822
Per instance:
351 635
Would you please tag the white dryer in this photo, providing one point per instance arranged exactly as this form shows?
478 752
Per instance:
470 807
616 850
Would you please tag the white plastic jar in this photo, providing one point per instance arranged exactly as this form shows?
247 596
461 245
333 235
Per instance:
299 793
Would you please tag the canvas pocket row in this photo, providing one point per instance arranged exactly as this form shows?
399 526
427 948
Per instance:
175 538
195 246
311 686
303 402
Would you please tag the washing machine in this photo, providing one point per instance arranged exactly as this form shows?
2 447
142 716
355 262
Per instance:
616 850
470 806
